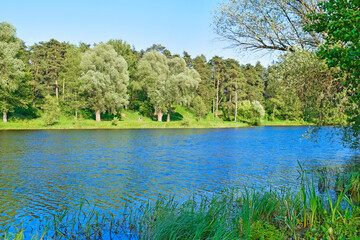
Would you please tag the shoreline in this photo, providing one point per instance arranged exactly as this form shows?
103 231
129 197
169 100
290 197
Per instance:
166 126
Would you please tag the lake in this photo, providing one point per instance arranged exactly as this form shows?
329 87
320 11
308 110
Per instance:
41 171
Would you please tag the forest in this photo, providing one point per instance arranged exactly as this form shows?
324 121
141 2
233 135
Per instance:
93 81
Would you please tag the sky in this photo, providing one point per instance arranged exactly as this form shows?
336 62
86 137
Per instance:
179 25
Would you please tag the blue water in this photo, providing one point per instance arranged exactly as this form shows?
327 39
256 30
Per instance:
41 171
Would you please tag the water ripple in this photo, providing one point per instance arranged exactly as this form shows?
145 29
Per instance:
42 171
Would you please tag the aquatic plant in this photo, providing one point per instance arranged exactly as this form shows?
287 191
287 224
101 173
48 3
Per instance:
229 214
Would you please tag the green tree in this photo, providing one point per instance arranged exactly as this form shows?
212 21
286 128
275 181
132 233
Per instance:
189 61
340 21
218 75
252 111
254 87
105 79
47 62
235 83
167 81
55 55
205 89
302 85
11 68
51 110
131 56
38 67
199 107
70 76
159 48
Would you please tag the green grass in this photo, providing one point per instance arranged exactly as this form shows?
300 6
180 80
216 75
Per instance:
278 122
182 118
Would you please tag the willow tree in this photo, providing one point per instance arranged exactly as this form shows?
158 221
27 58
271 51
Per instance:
105 79
11 68
167 81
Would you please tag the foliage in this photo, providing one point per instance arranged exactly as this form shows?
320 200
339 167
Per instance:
167 81
300 85
72 99
349 179
258 110
234 86
198 107
11 69
254 86
131 57
252 111
340 21
205 89
51 111
115 121
105 79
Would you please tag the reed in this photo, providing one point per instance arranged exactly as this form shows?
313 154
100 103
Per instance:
229 214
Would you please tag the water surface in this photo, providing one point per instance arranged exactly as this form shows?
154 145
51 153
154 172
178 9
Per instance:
41 171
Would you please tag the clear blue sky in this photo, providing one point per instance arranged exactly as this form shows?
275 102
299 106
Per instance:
176 24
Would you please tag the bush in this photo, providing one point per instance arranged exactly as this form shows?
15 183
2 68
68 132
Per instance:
115 121
186 122
251 111
198 107
51 111
146 108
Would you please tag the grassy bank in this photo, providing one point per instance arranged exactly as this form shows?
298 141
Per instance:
182 118
230 214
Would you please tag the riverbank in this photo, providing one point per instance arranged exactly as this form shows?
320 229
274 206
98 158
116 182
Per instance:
91 124
133 120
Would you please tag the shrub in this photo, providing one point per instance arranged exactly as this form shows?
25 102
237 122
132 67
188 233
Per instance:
251 111
198 107
115 121
51 111
186 122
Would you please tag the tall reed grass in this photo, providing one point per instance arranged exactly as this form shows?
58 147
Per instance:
230 214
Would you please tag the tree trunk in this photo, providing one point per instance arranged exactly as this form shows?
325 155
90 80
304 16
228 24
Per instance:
168 116
213 108
217 97
160 115
273 115
4 116
34 87
230 93
64 89
236 100
33 97
97 115
76 106
57 91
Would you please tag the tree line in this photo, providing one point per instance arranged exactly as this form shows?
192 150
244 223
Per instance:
51 78
328 28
